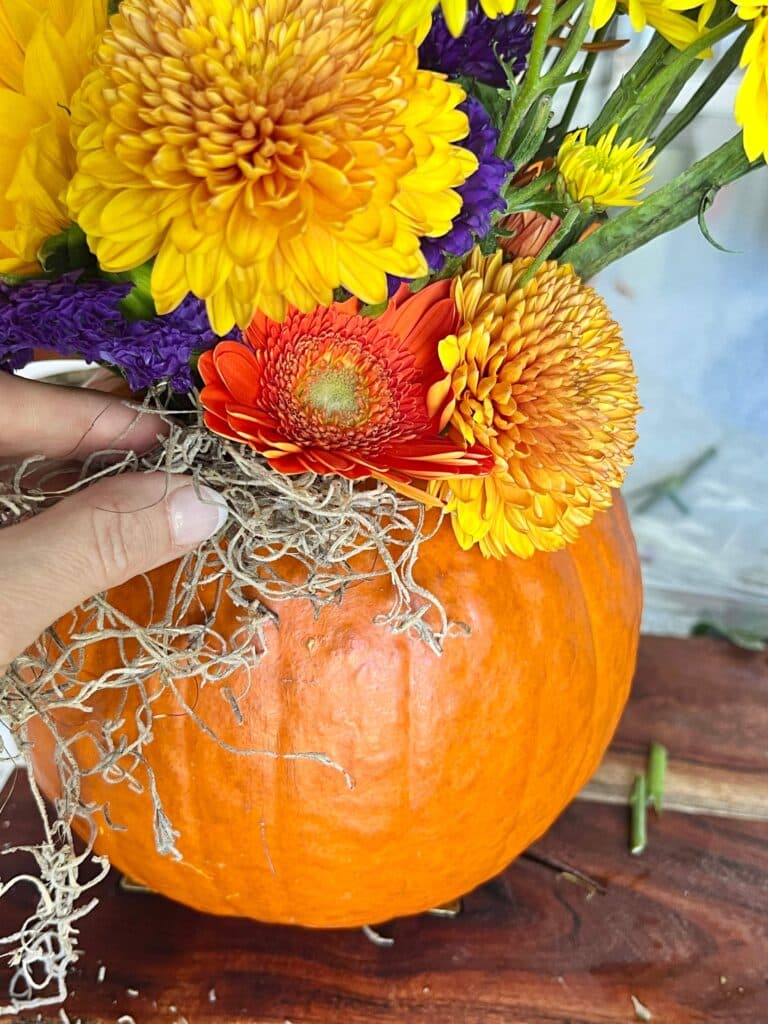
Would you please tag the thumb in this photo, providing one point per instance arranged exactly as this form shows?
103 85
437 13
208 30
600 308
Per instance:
93 540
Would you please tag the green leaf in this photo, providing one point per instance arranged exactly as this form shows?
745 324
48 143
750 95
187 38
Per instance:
138 304
373 310
65 252
706 202
495 101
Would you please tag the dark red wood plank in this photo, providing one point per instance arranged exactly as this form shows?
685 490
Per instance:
706 699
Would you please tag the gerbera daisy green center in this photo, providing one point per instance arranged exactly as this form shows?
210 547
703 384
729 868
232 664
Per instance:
337 395
337 392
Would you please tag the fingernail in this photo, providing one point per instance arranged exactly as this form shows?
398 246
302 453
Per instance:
195 515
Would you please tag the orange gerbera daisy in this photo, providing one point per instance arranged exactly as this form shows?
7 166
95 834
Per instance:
335 392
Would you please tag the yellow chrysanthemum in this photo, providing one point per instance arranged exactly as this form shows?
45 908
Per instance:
666 16
265 151
542 379
607 174
751 108
402 17
45 50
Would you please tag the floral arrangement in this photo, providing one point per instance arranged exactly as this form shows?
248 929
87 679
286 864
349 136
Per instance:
347 244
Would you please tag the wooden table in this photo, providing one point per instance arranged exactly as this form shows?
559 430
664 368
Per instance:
683 928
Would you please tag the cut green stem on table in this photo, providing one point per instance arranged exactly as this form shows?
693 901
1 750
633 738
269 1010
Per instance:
647 791
657 776
639 811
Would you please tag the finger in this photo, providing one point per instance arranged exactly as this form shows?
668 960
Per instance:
46 419
94 540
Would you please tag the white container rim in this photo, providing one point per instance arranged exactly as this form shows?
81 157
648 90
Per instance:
52 367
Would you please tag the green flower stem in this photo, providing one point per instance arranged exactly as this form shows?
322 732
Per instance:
711 84
564 12
665 78
625 91
573 214
639 811
571 49
657 776
644 121
578 89
519 198
528 90
663 210
532 131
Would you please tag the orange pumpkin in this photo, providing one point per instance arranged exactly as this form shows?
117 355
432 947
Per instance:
458 762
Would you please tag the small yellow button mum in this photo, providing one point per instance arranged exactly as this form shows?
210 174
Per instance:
605 173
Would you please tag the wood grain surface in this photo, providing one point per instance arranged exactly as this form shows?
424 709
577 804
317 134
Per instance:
707 702
567 935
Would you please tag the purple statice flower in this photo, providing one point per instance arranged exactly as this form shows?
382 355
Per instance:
480 193
474 53
81 317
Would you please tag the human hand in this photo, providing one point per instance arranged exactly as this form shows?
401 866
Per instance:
101 536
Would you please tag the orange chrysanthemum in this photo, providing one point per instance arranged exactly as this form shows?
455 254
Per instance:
335 392
542 379
265 152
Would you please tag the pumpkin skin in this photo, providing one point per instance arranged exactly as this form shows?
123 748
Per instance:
459 762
